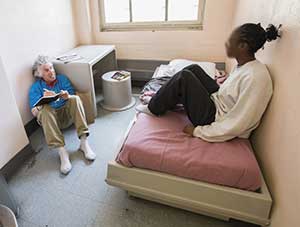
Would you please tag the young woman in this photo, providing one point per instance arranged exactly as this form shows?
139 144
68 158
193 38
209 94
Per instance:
235 108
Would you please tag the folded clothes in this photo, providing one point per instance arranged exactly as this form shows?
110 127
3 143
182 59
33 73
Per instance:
162 76
220 77
165 71
152 87
146 96
221 80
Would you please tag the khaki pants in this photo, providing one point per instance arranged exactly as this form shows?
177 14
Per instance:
53 120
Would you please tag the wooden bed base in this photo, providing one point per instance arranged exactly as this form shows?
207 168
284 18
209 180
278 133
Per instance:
221 202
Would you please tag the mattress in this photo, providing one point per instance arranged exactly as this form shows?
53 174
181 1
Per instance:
158 143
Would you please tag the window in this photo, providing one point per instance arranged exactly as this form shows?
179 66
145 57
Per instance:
118 15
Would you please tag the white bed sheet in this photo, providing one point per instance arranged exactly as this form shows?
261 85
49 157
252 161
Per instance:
178 64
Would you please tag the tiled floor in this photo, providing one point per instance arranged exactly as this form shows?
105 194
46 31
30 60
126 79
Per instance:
82 198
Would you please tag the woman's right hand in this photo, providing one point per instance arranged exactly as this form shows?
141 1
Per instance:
189 129
48 93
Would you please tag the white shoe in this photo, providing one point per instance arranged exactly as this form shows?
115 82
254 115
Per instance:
65 164
143 109
86 149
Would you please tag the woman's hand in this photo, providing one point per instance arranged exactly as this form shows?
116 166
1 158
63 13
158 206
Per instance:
64 94
48 93
35 111
189 129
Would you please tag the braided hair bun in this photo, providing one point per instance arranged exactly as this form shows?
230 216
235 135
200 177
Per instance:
272 32
256 36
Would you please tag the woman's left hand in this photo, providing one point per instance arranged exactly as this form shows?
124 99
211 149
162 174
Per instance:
64 94
189 129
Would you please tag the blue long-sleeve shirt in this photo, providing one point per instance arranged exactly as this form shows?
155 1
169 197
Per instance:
37 90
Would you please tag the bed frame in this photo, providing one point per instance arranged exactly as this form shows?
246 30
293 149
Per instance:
217 201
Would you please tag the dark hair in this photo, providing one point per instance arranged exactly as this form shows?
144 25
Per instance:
256 36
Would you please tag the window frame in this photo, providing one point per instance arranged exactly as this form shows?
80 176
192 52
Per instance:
155 25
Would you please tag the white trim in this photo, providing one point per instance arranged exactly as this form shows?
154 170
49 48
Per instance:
212 200
156 25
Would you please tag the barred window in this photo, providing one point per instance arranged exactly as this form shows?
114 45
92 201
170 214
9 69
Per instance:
118 15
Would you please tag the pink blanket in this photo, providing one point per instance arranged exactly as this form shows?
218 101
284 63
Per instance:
158 143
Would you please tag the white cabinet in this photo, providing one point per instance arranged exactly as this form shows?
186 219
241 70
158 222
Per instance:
85 72
12 133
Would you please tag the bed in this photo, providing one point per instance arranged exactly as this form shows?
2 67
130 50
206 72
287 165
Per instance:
240 199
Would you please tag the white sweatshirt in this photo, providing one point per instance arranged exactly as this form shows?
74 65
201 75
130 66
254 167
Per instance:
240 103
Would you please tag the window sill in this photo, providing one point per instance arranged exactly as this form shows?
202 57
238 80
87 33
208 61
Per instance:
151 28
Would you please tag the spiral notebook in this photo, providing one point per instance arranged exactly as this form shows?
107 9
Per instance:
46 99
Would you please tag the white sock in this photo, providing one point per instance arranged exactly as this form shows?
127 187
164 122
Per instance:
144 109
65 164
87 150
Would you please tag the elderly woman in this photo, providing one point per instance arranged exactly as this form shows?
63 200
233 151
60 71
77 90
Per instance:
58 114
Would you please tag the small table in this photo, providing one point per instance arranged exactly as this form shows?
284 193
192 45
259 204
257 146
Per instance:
116 93
93 61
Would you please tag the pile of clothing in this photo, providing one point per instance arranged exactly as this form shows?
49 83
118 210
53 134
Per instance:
165 72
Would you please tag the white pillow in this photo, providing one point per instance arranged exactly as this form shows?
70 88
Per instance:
208 67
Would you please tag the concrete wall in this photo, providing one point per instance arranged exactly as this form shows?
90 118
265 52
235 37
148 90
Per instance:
29 28
207 44
277 141
11 123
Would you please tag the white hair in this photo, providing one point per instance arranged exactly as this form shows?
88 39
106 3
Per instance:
41 60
